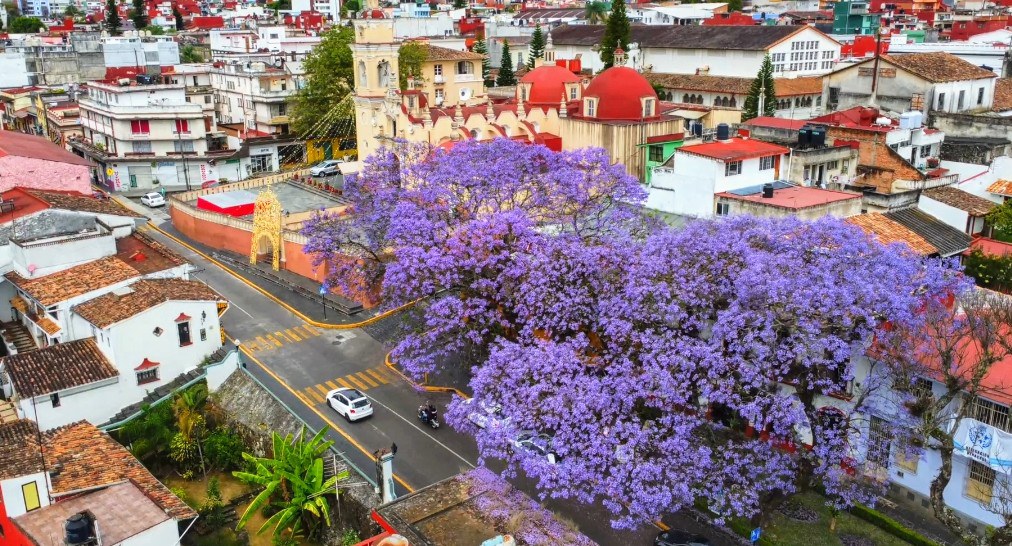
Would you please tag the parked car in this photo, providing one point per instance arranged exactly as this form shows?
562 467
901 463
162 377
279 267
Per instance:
680 538
350 404
483 413
153 199
325 168
538 443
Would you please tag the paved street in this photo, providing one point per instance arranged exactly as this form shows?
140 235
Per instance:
300 363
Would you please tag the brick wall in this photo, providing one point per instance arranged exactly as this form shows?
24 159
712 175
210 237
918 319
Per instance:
29 172
882 166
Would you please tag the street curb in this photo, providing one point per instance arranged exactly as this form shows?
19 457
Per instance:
419 386
275 299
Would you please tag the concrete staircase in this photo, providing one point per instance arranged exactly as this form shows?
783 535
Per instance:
16 333
7 412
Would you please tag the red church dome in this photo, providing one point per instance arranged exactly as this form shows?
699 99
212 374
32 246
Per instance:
619 91
548 84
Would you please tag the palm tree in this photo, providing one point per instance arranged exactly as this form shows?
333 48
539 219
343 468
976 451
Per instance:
188 408
292 481
596 11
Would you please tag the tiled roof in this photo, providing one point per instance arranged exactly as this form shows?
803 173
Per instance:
145 254
940 67
1003 95
107 506
87 457
108 309
19 449
990 247
776 123
700 82
24 145
947 239
1001 187
888 231
76 281
58 367
749 38
436 53
789 87
83 203
955 197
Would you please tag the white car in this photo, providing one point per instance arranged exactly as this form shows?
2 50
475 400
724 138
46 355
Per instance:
350 404
483 414
325 168
153 199
539 444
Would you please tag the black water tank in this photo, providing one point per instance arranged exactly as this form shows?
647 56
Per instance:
818 136
723 131
767 191
804 137
697 128
77 529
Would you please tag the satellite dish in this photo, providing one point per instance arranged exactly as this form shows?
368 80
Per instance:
465 93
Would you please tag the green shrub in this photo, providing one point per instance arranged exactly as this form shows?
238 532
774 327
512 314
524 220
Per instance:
213 510
223 449
891 526
181 493
184 452
350 537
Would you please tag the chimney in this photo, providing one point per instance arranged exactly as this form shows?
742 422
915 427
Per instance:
767 191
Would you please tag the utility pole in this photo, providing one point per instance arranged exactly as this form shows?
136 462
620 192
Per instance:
182 153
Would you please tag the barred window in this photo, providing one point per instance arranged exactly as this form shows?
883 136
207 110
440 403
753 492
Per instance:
980 482
990 413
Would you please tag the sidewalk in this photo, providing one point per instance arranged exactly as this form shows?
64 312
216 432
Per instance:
308 308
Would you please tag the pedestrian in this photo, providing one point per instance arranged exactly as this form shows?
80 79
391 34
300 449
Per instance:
393 448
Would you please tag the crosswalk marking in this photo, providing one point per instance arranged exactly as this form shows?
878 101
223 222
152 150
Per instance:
290 333
310 330
368 380
358 384
331 384
276 342
282 336
317 396
323 390
363 381
379 377
343 383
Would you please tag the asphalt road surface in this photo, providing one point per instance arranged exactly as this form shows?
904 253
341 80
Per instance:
299 363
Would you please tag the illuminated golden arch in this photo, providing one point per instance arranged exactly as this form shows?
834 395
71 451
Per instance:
267 224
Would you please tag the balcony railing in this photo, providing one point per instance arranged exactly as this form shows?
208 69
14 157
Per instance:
465 78
935 182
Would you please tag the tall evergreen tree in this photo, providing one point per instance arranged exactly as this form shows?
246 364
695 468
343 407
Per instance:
537 49
178 16
616 33
140 15
762 86
459 4
481 48
112 21
506 76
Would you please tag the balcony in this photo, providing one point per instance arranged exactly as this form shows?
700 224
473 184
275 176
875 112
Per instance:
278 120
44 322
438 79
926 184
465 78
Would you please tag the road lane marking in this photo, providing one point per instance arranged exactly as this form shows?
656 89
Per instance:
368 380
276 342
423 431
310 330
291 333
322 389
310 393
356 382
343 383
379 377
325 419
331 384
281 335
263 343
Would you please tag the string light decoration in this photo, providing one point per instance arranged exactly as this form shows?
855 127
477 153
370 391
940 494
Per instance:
267 224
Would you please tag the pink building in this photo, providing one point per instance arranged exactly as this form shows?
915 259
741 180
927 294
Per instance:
34 162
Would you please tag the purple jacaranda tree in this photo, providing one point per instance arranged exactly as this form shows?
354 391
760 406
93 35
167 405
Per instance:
722 361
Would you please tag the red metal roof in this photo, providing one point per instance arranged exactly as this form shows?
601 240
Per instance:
659 139
796 197
990 246
735 149
776 123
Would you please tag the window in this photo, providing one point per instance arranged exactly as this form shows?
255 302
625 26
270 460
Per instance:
980 96
941 101
921 388
147 376
648 108
925 151
827 54
732 168
465 67
980 482
591 108
961 100
833 165
440 95
140 127
990 413
157 331
723 209
437 70
55 399
572 92
778 68
907 461
656 154
203 334
141 146
183 329
779 57
182 126
182 145
30 491
207 99
878 443
766 163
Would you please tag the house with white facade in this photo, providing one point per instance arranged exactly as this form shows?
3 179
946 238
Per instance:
78 473
926 82
254 96
957 208
696 173
147 137
736 51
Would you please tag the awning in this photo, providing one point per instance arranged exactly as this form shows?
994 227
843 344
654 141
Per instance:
689 114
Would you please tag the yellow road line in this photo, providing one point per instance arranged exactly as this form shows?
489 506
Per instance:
327 420
368 380
289 332
310 330
281 335
262 343
356 382
276 342
331 384
343 383
379 377
322 389
315 395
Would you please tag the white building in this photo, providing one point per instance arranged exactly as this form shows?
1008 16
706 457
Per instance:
276 40
147 53
957 208
254 96
688 14
147 136
698 172
717 50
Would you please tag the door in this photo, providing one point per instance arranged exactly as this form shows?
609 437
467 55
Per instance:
328 149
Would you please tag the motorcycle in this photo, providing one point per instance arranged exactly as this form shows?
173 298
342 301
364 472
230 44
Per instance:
428 416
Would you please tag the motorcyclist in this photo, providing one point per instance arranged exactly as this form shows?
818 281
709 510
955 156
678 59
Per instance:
428 411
